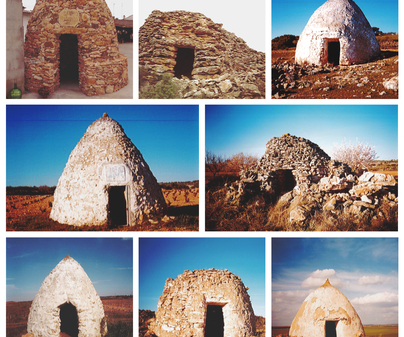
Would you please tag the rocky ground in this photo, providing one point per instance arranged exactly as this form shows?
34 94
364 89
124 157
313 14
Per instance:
377 79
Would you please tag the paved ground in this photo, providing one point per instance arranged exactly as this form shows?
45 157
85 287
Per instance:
71 90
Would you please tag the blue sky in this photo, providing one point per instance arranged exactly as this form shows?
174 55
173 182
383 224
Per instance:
291 16
247 128
108 263
365 270
40 139
162 258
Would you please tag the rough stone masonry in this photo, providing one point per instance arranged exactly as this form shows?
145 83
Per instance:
220 65
101 68
185 305
297 174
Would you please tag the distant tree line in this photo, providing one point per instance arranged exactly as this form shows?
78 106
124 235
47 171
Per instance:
30 190
219 164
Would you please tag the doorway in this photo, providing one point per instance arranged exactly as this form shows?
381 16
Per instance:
184 62
334 49
286 181
331 328
69 58
69 322
117 205
214 326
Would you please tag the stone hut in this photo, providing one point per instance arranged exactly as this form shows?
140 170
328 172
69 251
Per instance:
337 33
74 41
299 177
67 303
326 312
190 46
106 180
204 303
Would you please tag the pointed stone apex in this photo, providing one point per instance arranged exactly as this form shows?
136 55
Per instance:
327 283
67 257
105 115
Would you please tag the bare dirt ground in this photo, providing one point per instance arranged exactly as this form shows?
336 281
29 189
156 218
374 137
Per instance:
116 308
31 212
340 82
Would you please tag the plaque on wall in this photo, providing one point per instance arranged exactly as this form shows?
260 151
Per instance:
115 173
69 18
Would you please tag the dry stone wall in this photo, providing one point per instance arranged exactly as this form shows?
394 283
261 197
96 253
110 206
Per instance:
67 283
102 69
182 308
103 158
298 175
342 22
223 65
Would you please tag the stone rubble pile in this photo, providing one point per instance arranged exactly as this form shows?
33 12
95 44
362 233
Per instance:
223 66
183 305
297 175
287 76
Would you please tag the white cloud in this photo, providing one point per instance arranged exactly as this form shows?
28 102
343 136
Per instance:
325 273
376 279
383 297
318 277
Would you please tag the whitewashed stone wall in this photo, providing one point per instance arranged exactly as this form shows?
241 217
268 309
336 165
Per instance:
182 307
67 283
340 20
326 303
81 195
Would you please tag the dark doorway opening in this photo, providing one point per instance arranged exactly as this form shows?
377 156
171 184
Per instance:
331 328
286 181
214 326
333 52
69 322
69 58
184 62
117 205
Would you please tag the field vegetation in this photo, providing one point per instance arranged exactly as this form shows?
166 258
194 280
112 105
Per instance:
28 209
118 310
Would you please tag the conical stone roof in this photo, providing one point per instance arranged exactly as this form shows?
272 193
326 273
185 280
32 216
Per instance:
105 157
67 283
326 303
337 21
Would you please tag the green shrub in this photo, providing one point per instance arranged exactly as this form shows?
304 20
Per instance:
284 42
164 89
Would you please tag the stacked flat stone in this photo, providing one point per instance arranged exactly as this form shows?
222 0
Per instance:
102 69
183 305
67 283
217 52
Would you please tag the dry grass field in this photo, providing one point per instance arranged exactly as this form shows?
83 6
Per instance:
31 212
118 310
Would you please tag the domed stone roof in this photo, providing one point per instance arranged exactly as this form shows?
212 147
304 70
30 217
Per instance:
339 33
199 302
326 312
106 161
67 296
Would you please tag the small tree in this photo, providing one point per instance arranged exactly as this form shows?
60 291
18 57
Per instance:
358 156
241 161
214 163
